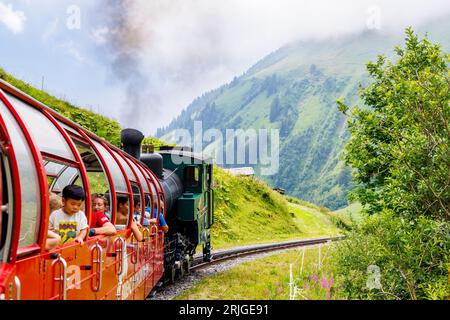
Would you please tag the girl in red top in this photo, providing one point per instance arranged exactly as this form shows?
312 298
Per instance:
99 222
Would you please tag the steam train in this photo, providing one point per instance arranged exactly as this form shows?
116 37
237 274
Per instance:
41 152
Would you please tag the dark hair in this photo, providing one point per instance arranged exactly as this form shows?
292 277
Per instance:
73 192
147 200
100 196
121 200
137 201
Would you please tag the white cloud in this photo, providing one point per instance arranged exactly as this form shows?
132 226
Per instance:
50 30
183 48
13 20
100 35
72 50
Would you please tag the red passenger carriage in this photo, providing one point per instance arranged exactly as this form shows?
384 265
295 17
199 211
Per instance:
42 152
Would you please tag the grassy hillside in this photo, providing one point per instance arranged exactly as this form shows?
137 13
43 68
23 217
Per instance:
295 90
249 211
353 212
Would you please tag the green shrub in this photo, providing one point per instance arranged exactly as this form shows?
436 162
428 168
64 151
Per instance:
400 145
412 256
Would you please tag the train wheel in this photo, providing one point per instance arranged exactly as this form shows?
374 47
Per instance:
207 252
173 274
187 265
181 270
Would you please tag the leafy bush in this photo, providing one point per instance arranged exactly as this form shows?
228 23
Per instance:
400 150
157 143
413 258
400 146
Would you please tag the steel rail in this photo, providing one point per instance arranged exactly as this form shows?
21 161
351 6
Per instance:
233 253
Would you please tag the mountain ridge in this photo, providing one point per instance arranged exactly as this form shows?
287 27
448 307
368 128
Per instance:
294 89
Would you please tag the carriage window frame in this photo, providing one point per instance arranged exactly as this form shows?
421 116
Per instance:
69 178
55 168
37 123
6 238
146 186
79 143
128 171
136 182
70 131
121 226
141 177
155 198
32 199
95 147
133 176
139 195
119 180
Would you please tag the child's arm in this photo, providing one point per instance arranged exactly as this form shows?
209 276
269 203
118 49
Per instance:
81 236
107 229
137 233
53 240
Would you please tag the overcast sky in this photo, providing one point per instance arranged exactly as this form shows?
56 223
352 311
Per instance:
142 61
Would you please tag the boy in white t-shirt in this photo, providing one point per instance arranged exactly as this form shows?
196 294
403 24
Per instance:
69 221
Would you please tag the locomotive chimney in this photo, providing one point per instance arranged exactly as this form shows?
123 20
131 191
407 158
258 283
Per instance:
131 141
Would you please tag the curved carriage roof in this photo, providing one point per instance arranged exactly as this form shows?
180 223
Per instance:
68 124
48 144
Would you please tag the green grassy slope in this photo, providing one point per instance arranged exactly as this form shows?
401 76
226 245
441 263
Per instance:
295 89
353 212
249 211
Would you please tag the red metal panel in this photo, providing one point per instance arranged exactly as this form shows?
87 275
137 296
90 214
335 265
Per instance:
7 273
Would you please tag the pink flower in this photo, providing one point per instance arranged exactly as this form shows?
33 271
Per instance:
327 283
313 277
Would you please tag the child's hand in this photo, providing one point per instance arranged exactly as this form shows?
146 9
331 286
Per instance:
80 241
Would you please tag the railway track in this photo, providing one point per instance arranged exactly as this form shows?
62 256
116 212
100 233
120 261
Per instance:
233 253
169 290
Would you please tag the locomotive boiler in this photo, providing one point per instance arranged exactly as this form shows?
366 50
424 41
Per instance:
186 179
